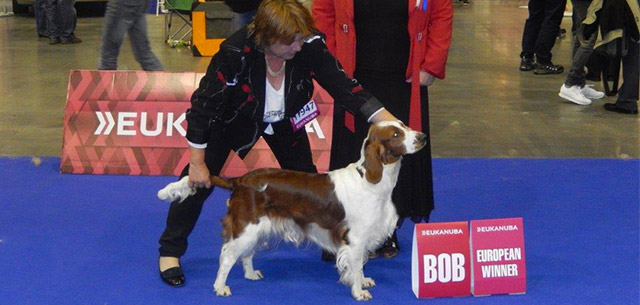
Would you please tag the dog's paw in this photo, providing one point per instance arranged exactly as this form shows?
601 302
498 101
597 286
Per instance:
254 276
368 282
223 291
361 295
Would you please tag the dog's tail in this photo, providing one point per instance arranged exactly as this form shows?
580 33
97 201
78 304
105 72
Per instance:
222 182
180 189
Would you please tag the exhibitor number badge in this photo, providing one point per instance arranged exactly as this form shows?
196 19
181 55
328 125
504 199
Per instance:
309 112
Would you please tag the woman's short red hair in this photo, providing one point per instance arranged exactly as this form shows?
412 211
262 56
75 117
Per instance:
280 21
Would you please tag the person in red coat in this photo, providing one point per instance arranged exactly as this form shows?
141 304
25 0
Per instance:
396 49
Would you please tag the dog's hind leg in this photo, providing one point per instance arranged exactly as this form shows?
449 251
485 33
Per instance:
249 272
231 251
228 258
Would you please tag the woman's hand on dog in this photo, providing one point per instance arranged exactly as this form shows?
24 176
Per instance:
199 175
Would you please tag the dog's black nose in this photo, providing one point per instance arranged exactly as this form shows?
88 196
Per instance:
422 138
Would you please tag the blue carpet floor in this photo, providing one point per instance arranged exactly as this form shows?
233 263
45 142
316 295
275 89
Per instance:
77 239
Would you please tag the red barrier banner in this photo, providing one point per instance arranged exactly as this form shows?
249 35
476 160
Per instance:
497 251
440 264
133 123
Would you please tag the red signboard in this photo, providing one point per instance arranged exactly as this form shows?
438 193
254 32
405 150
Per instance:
497 250
133 123
440 266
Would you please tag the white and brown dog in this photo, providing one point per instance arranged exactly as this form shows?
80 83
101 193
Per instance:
346 211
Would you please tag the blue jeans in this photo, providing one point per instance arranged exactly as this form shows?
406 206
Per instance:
61 17
579 11
582 46
122 17
39 9
240 20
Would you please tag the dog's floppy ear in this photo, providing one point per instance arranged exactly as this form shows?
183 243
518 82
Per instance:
373 161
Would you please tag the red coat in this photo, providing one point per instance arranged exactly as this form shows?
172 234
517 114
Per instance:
429 32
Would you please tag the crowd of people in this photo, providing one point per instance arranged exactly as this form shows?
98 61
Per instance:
247 93
606 26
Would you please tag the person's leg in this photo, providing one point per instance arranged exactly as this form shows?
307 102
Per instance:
628 94
413 194
116 23
68 18
140 44
51 12
575 24
182 216
579 14
39 10
530 34
553 13
574 88
532 28
576 75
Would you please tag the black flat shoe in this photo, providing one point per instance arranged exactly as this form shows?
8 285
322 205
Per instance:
173 277
390 247
613 107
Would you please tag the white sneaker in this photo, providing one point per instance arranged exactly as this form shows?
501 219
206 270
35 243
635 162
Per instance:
574 94
591 93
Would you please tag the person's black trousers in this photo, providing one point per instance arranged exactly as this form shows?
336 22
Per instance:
628 93
541 28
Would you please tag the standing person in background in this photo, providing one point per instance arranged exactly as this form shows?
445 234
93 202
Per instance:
40 12
575 88
398 51
122 17
593 65
539 36
244 11
617 25
61 18
627 101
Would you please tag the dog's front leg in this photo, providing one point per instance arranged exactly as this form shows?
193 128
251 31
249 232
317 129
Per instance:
350 261
368 282
359 281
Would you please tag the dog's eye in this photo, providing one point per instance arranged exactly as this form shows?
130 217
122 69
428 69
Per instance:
395 135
